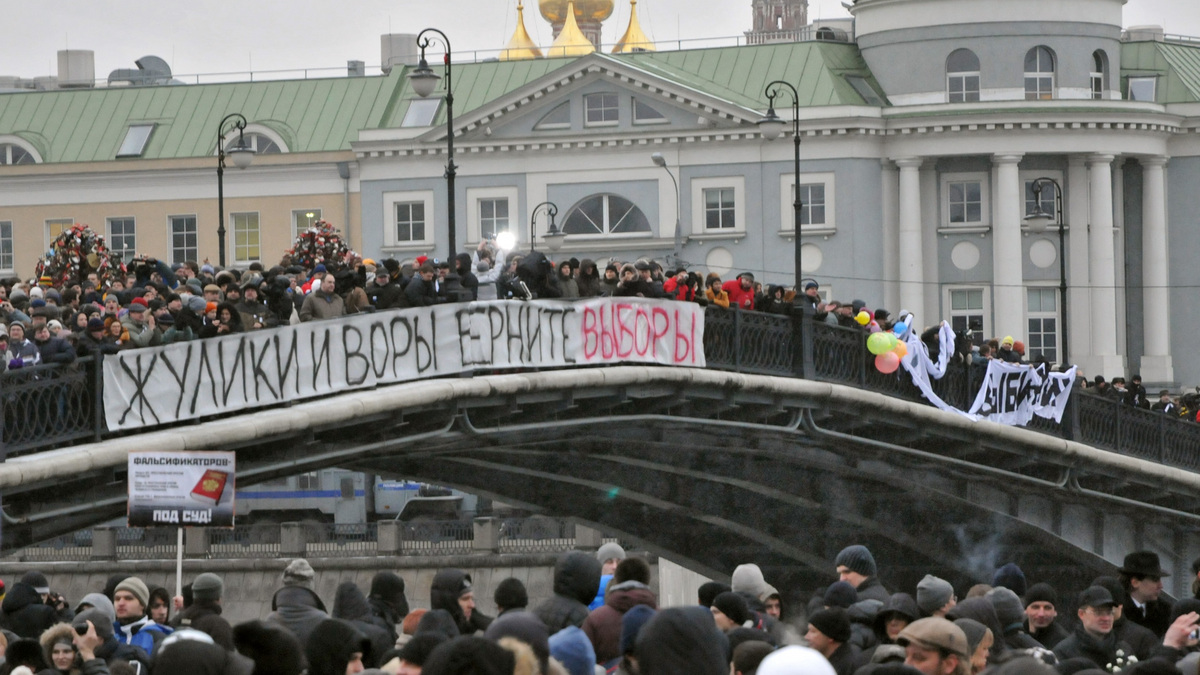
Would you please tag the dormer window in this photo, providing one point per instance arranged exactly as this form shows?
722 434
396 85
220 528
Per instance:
962 76
1039 74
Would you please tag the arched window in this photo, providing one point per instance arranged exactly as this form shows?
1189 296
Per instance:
962 76
261 144
605 214
11 153
1039 74
1099 74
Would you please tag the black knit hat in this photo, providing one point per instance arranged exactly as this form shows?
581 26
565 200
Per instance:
710 590
273 648
1041 592
840 594
1011 577
511 594
833 623
857 559
418 648
733 606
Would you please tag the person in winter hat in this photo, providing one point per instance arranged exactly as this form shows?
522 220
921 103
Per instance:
296 606
336 648
855 565
58 647
273 648
133 626
829 634
387 600
510 596
895 615
298 573
730 610
25 613
468 654
527 628
99 629
708 592
1011 577
935 596
1041 614
571 648
840 594
452 591
630 588
351 606
682 641
631 626
576 576
204 614
1011 613
609 555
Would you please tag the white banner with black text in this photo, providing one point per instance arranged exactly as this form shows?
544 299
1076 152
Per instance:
187 380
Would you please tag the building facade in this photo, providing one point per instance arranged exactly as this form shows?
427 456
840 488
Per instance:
923 134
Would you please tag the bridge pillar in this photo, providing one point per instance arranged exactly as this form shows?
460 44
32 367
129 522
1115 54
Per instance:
195 542
390 540
487 536
292 540
104 543
588 539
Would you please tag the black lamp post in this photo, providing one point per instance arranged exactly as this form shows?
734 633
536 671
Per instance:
554 236
242 156
677 255
772 127
424 81
1038 222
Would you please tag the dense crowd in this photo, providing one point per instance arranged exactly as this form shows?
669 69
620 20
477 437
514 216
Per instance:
151 303
604 618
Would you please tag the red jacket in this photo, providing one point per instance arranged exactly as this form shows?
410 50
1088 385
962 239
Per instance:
738 296
678 291
603 625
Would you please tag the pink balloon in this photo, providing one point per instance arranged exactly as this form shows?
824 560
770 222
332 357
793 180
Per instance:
887 362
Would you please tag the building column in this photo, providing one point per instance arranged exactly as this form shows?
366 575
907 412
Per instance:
1008 289
1156 368
929 239
1102 265
1078 278
890 198
911 264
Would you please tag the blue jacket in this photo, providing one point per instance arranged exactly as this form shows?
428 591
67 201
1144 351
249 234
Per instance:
142 633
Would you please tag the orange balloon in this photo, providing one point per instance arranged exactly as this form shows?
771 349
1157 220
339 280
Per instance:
901 349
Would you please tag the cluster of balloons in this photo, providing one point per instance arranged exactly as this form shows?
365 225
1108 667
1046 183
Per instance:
887 346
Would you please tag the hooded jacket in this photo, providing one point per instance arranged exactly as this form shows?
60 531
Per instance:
331 645
58 633
205 617
862 623
447 587
387 600
350 605
24 612
297 609
682 641
603 625
982 610
576 577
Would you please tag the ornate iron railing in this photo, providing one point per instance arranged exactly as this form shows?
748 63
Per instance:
51 406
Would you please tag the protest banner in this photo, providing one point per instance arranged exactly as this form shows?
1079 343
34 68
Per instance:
180 489
157 385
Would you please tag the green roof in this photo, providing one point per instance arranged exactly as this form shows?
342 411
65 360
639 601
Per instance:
1176 65
89 125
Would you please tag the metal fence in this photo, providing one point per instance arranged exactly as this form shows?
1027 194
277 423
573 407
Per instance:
50 406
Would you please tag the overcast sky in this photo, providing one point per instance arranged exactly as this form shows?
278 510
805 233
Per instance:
213 36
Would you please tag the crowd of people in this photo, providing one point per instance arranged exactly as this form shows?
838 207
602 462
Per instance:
152 303
604 618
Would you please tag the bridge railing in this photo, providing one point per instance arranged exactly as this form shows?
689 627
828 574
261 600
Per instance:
55 405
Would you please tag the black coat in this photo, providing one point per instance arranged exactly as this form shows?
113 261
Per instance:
387 296
330 646
1051 635
24 612
1157 617
846 659
448 585
350 605
1100 651
420 293
576 578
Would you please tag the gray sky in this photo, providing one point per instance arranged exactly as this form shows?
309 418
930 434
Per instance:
213 36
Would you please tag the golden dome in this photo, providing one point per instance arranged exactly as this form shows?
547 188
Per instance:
555 11
571 41
520 47
634 39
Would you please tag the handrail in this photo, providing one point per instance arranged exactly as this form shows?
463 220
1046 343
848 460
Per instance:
50 406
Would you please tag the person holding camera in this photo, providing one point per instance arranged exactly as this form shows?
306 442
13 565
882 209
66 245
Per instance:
26 607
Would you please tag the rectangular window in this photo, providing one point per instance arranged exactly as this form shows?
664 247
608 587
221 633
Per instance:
308 481
812 204
966 202
967 312
601 109
1039 87
56 227
421 112
1043 324
719 209
302 219
963 87
246 242
493 216
1142 88
136 138
410 222
184 246
122 238
1097 86
6 245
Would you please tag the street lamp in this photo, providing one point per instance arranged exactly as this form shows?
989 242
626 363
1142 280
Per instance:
242 155
659 160
554 236
771 128
424 81
1038 221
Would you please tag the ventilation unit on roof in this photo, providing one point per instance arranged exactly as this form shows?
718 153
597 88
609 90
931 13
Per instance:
76 68
398 49
151 71
1143 34
356 68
